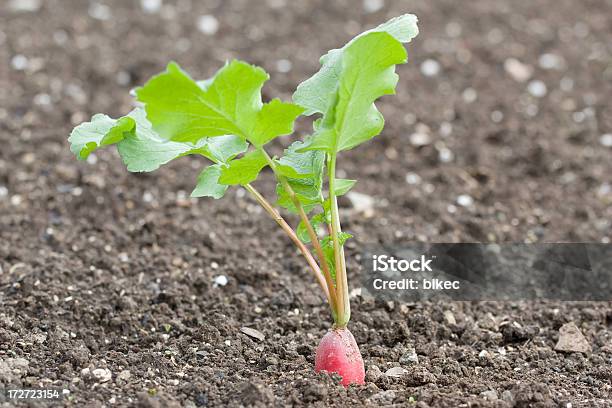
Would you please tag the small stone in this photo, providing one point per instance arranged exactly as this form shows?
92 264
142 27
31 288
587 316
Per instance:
551 61
430 68
465 200
420 139
449 317
24 5
606 140
396 372
469 95
124 375
383 397
283 65
507 396
372 6
572 340
361 202
518 71
151 6
256 334
208 24
484 354
537 88
445 155
220 280
413 178
373 373
410 357
490 395
102 374
99 11
488 322
19 62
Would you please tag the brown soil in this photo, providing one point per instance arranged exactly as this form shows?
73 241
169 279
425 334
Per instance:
101 269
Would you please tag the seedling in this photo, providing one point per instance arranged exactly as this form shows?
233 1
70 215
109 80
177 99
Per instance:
224 120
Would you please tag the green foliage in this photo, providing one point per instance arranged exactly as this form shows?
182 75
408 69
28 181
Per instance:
243 170
342 186
229 103
224 120
318 93
303 172
367 73
327 244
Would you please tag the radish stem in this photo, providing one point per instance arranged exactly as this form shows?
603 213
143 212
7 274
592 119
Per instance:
291 234
344 307
314 239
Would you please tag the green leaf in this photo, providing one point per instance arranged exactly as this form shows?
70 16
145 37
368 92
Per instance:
208 183
316 221
102 130
181 110
327 244
304 173
297 164
222 149
368 72
342 186
274 119
317 94
243 170
143 150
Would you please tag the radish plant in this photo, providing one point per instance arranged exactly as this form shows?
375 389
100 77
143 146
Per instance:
224 120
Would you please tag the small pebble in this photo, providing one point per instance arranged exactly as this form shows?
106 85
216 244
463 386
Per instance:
465 200
572 340
413 178
102 374
220 280
409 358
396 372
256 334
151 6
19 62
490 395
469 95
449 317
517 70
430 68
606 140
537 88
497 116
208 24
283 65
99 11
361 202
420 139
551 61
24 5
445 155
372 6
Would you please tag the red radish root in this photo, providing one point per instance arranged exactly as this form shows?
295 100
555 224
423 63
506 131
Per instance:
338 353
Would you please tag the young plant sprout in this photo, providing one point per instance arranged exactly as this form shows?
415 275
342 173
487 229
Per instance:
224 119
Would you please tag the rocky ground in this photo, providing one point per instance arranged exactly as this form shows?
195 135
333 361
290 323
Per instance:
111 283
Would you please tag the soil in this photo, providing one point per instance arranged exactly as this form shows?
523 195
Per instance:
105 270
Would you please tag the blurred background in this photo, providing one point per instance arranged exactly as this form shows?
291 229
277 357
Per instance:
501 130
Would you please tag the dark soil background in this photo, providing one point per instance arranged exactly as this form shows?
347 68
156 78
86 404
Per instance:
500 132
